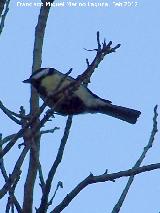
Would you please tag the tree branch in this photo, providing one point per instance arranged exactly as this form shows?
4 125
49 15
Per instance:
3 17
34 107
119 204
91 179
15 173
2 4
102 51
20 133
111 177
6 178
9 113
44 201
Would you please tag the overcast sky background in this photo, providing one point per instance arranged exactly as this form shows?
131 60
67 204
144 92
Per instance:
129 77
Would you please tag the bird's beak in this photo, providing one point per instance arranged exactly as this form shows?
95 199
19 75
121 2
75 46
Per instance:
27 81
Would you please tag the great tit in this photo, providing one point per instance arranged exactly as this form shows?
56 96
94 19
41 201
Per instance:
82 100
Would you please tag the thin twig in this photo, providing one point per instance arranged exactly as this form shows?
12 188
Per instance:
2 4
13 199
7 138
15 173
59 185
41 178
119 204
6 178
10 137
20 133
8 206
49 130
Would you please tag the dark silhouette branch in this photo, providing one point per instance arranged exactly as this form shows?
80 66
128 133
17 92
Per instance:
49 130
44 201
119 204
16 172
3 3
9 137
91 179
112 177
59 185
41 178
6 178
12 199
34 108
20 133
102 51
10 114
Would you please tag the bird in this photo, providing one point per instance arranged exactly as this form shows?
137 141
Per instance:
82 100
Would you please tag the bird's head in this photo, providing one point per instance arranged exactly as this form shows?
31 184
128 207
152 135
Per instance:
44 79
39 75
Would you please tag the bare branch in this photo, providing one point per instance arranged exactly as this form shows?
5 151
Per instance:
34 108
86 75
17 205
12 197
59 185
11 192
49 130
2 168
7 138
3 17
10 137
9 113
8 206
91 179
87 61
98 41
44 201
16 172
119 204
20 133
41 178
112 177
101 52
2 4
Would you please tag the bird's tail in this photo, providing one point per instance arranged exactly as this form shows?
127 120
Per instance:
122 113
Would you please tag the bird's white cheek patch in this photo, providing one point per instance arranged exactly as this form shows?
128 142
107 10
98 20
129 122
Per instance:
51 83
41 73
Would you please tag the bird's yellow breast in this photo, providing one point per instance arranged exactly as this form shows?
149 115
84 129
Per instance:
50 83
